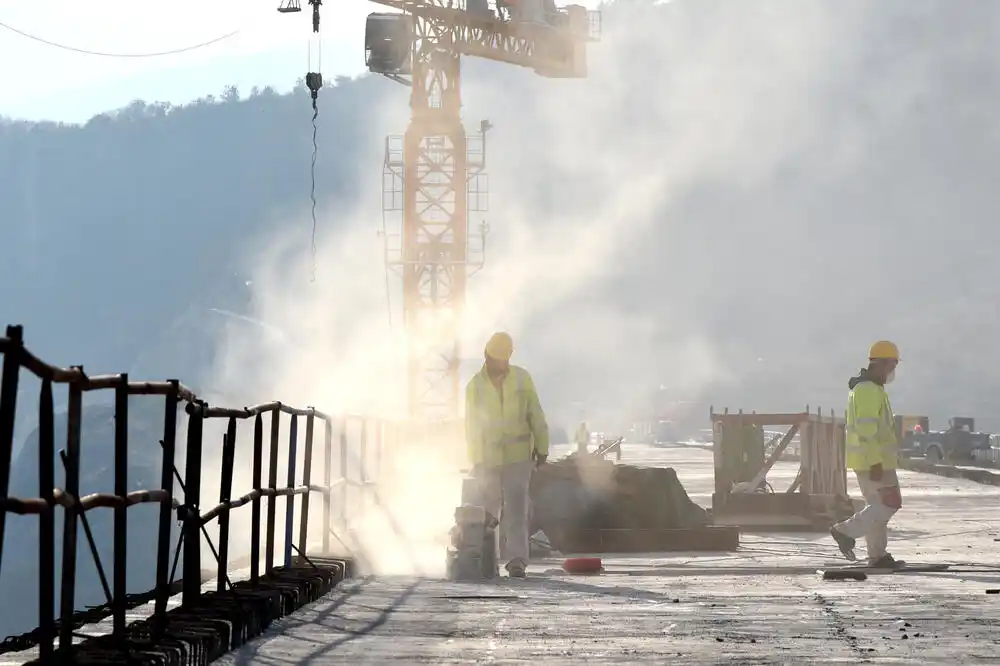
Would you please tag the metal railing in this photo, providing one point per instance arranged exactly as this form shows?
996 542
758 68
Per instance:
188 507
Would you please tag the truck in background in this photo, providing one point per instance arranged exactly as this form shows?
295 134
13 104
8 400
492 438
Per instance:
960 443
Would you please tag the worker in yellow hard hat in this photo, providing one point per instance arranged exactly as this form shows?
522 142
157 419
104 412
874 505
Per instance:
507 438
872 452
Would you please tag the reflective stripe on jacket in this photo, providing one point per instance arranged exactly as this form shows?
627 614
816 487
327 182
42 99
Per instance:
505 426
871 428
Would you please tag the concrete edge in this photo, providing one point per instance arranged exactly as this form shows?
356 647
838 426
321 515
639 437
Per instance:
219 623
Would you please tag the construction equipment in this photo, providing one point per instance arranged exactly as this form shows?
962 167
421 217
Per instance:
434 174
472 554
817 497
609 446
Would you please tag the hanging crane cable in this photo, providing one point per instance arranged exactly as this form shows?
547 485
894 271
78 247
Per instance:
314 81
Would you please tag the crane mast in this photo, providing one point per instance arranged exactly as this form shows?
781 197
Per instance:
435 225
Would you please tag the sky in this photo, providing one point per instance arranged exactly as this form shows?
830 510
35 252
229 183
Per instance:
269 48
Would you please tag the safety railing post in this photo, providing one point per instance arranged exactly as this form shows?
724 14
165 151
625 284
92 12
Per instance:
47 523
166 509
343 472
258 461
327 482
307 458
58 618
67 601
191 588
293 434
272 484
225 494
120 516
8 412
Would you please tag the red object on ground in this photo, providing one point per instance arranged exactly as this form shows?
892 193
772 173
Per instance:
582 565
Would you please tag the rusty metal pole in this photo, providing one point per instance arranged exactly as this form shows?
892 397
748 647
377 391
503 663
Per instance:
8 412
119 573
166 508
74 416
293 435
258 463
307 459
225 494
46 533
191 589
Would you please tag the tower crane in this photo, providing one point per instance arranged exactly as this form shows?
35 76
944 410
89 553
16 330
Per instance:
433 170
439 170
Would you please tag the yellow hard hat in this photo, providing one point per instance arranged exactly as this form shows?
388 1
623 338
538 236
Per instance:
500 347
884 349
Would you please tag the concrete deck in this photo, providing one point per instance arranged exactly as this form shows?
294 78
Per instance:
762 605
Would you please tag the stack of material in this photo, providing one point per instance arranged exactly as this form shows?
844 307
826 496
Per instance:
584 494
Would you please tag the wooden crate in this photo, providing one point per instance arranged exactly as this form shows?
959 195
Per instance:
815 500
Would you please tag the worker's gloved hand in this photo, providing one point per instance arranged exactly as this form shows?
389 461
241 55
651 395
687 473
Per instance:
876 472
540 458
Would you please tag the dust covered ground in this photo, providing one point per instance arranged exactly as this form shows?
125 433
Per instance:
762 605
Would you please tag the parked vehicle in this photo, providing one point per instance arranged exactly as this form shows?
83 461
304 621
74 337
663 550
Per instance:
959 443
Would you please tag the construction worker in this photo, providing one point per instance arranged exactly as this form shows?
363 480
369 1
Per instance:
872 452
507 437
582 438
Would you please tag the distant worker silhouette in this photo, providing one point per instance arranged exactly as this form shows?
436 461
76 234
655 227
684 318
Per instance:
582 438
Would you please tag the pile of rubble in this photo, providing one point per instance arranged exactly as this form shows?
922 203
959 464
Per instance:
589 493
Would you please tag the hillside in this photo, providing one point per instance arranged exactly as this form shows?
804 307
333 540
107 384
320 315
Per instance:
734 204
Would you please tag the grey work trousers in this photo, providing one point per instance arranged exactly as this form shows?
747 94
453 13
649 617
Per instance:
871 522
505 495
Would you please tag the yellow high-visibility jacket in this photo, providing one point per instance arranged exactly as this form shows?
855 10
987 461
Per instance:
504 426
871 427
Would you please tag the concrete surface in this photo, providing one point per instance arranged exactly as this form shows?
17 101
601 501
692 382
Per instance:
762 605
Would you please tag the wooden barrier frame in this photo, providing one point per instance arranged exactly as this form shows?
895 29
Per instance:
815 499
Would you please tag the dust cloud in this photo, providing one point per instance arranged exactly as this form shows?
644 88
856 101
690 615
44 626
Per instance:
672 219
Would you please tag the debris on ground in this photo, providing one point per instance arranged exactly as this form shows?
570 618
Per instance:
587 493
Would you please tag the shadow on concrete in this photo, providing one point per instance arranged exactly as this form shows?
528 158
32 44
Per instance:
907 535
325 623
578 587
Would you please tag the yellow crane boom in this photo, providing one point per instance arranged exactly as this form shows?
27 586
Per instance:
553 42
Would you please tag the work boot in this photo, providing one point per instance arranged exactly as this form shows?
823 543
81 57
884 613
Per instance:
516 569
887 561
845 543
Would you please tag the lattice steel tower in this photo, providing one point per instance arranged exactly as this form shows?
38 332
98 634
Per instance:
434 174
